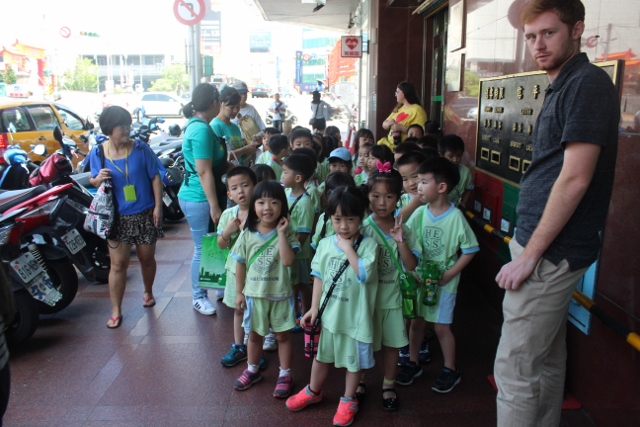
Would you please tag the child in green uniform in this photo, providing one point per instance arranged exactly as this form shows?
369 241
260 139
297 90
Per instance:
346 340
263 252
398 247
443 231
240 183
339 161
451 147
362 171
323 226
279 145
408 165
266 150
296 170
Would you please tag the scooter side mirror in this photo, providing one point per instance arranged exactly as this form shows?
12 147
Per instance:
11 128
40 150
57 135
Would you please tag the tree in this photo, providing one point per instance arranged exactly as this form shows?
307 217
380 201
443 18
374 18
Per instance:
471 84
83 77
173 80
9 76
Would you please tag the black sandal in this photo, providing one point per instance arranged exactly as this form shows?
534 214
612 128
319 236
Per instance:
391 403
361 392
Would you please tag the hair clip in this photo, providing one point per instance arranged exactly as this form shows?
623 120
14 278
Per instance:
383 167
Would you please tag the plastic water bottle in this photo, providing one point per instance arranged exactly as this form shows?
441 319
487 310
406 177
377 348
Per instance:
409 299
430 275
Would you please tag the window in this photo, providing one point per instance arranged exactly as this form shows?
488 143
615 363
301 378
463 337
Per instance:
43 117
18 117
72 121
163 98
149 97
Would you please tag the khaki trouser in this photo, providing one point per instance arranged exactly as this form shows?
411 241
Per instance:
531 359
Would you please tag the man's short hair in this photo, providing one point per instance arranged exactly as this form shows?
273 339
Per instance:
452 143
277 143
411 158
300 165
568 11
442 170
272 131
406 147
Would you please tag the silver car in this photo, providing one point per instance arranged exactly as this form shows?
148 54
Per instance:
159 104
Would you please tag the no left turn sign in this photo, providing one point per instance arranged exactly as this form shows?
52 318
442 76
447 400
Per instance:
189 12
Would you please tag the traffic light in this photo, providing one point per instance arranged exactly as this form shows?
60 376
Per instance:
208 65
88 34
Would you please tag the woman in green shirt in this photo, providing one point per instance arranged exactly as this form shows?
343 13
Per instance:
223 127
202 195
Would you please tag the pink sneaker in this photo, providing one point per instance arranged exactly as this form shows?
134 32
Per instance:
246 380
283 387
301 400
347 410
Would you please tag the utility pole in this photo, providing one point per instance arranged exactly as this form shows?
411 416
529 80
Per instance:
607 42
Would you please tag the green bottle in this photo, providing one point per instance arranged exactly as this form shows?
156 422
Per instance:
409 299
430 275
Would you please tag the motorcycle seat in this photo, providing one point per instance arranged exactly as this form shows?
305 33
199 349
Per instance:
83 179
11 198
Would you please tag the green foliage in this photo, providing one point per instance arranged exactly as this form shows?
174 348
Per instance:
471 84
83 77
173 80
9 76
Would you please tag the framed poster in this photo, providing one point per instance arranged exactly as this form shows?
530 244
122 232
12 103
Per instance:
456 26
455 68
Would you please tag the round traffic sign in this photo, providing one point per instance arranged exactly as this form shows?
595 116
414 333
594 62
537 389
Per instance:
189 12
65 32
305 57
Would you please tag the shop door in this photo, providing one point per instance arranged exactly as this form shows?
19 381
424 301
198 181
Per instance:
435 64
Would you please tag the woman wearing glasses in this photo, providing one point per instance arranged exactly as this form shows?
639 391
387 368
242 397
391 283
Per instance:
407 112
137 188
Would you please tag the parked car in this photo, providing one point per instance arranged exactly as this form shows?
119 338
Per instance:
462 105
260 91
159 104
34 122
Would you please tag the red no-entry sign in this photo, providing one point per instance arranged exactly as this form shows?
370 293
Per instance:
65 32
189 12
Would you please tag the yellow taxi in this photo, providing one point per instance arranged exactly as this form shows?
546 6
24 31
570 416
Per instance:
34 122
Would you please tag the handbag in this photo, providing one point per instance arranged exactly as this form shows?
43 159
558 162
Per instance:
408 279
102 211
315 116
312 341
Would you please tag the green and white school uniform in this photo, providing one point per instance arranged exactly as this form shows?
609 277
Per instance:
347 322
301 221
440 238
315 240
264 157
389 326
277 167
230 266
465 184
361 178
267 286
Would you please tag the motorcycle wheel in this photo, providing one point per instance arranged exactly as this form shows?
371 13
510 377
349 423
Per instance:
268 121
99 255
65 279
25 322
171 214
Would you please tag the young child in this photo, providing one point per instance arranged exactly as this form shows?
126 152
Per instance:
323 226
296 171
432 127
263 252
404 148
398 247
415 131
240 183
310 185
339 161
266 151
264 173
347 327
428 142
379 153
334 132
300 138
408 165
443 231
363 136
279 148
362 171
451 147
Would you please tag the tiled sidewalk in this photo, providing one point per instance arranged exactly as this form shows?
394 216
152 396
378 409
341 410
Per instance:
162 366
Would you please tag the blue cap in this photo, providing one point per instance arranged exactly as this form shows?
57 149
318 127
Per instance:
340 153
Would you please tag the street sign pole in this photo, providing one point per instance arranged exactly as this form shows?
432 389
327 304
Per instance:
191 59
190 13
198 55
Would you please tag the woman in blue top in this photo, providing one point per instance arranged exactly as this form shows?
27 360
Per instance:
202 195
239 152
137 187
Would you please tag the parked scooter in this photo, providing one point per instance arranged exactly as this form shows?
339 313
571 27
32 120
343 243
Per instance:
40 239
90 253
289 116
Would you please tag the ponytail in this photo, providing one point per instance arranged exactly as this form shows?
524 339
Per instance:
187 110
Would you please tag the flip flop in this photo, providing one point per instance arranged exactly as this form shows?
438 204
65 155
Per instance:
115 322
148 301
